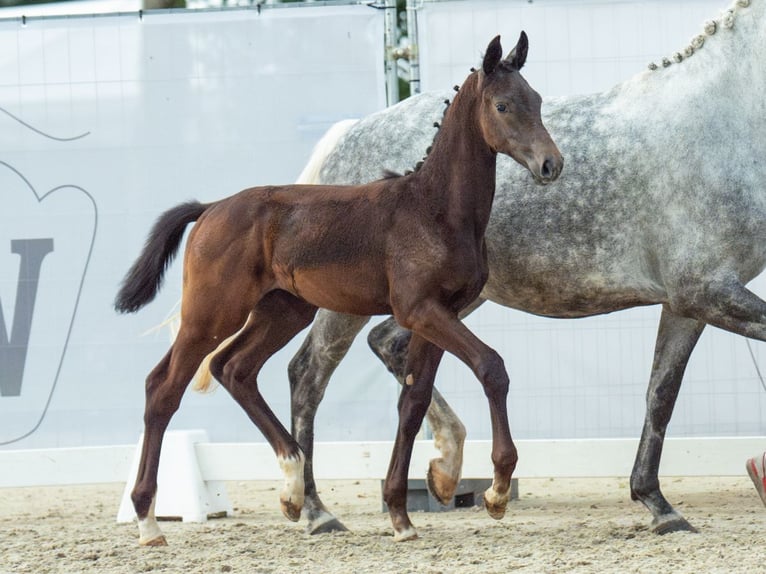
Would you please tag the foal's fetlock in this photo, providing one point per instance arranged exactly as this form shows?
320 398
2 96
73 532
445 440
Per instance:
495 503
403 528
149 533
406 534
442 483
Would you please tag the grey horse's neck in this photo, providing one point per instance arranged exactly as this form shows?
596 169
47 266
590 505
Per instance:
719 75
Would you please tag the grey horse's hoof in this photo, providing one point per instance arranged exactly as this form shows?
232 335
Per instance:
327 527
441 486
671 523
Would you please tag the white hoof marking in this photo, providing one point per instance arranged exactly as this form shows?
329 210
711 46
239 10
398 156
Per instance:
407 534
148 529
293 491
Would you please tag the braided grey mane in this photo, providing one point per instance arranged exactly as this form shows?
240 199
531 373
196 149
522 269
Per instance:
726 21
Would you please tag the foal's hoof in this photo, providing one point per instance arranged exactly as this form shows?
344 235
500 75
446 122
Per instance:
157 541
291 511
672 522
440 484
331 524
495 504
405 535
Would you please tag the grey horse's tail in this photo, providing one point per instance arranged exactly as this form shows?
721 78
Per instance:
323 147
144 279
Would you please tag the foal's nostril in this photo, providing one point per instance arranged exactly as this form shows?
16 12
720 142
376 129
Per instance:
548 169
551 169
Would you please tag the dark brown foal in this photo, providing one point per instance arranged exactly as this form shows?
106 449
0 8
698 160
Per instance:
413 246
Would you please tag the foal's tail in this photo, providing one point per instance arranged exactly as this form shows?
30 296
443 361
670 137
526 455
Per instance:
144 279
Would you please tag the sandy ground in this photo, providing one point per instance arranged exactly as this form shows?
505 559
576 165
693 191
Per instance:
557 525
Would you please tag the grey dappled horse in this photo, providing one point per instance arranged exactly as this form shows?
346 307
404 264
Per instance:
662 201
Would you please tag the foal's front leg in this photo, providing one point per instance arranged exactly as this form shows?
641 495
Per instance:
390 342
423 359
444 329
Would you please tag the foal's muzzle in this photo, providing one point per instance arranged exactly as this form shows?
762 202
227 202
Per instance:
550 169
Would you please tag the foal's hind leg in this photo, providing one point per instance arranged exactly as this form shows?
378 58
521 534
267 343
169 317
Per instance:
164 388
676 339
310 370
389 342
276 319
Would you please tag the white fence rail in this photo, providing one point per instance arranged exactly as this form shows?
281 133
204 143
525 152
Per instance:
369 460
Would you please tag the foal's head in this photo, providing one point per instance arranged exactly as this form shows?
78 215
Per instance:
510 113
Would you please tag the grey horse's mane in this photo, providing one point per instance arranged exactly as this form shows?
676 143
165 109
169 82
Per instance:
726 21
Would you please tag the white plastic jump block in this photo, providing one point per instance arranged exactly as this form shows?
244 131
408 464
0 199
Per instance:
181 491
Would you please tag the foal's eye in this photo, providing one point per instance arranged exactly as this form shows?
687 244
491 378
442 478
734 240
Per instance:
501 107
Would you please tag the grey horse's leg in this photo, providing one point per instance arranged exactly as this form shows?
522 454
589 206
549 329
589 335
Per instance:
676 339
309 371
726 304
389 342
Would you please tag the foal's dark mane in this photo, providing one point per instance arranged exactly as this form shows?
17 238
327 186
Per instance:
503 66
437 125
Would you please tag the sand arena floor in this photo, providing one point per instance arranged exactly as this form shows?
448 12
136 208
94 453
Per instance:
557 525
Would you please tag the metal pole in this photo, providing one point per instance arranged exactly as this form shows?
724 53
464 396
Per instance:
413 49
392 77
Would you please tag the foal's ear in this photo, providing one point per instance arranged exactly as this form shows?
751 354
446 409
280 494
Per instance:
492 56
518 55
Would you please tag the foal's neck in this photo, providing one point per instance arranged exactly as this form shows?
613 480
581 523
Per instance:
461 165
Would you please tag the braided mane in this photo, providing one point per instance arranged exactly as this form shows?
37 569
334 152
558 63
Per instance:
437 125
725 21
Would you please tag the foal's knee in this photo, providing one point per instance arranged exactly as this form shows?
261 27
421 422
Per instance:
491 372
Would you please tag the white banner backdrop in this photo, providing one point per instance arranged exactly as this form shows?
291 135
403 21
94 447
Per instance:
575 47
107 121
587 378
